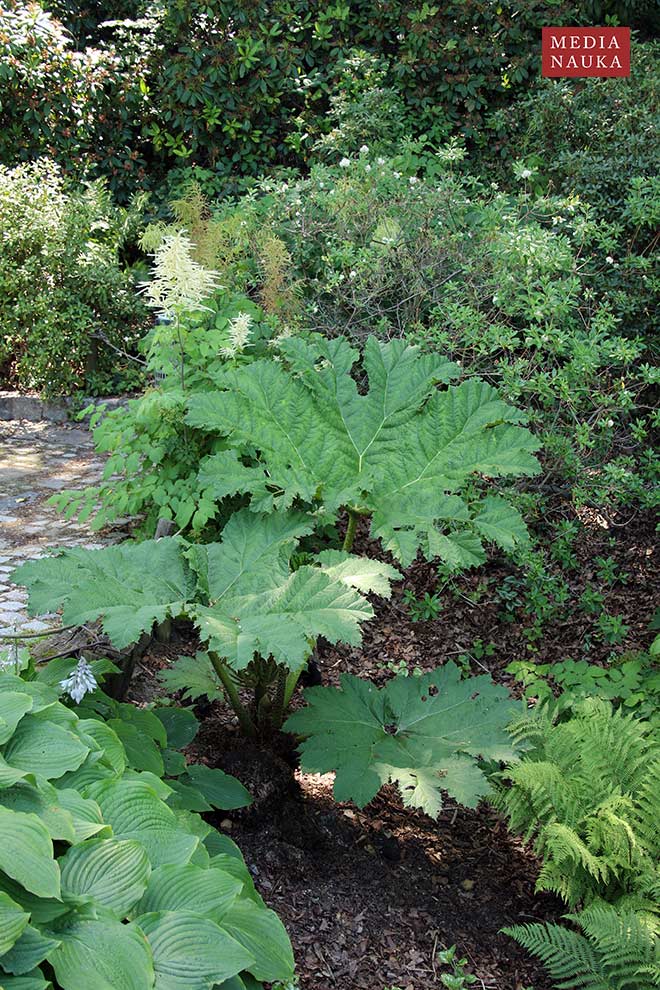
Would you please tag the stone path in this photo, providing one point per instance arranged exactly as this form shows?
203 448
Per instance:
37 460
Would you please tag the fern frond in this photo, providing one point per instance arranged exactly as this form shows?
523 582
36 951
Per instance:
567 955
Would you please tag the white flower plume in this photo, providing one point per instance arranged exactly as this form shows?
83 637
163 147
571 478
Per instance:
179 282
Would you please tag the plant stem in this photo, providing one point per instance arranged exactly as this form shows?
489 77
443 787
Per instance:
290 686
351 529
244 720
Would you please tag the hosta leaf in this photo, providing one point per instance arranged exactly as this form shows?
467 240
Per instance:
13 920
26 853
399 450
191 952
10 775
180 725
44 748
13 706
85 814
142 753
30 950
44 803
43 696
219 788
262 934
107 740
131 586
31 981
424 733
114 956
135 811
112 871
207 892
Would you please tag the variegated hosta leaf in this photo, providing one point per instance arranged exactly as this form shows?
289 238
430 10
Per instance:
259 606
401 451
130 586
423 733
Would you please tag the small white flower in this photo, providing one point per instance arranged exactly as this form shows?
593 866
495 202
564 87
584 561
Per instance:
413 180
239 335
526 173
364 150
345 163
609 259
380 161
397 175
367 167
610 422
81 681
352 273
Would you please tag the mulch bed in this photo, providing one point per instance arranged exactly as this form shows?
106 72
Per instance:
368 897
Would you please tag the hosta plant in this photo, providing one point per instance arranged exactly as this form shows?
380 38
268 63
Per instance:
425 734
319 430
258 616
103 871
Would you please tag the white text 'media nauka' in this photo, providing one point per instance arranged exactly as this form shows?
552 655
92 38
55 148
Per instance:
584 52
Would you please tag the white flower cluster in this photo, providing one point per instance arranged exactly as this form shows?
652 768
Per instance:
239 335
180 283
81 681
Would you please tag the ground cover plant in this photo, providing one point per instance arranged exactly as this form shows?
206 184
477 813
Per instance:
104 866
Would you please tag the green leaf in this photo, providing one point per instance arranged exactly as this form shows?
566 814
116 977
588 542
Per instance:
41 747
142 753
26 853
220 789
42 802
180 725
13 706
117 955
190 951
260 607
398 451
13 921
112 871
107 740
423 733
30 950
191 888
194 676
135 811
262 934
85 814
31 981
131 586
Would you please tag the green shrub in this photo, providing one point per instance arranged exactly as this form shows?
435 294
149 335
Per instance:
66 305
103 868
498 281
597 139
83 109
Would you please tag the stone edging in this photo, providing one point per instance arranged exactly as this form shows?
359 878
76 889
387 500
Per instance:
16 405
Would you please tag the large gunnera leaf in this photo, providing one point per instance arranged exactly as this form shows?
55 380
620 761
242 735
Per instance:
400 452
423 733
257 604
131 586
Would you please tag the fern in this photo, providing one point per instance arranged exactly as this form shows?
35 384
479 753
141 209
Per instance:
615 950
400 453
586 792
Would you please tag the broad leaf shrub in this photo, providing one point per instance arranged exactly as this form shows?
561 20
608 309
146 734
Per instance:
68 310
401 452
258 615
514 285
104 871
425 734
83 109
586 792
235 88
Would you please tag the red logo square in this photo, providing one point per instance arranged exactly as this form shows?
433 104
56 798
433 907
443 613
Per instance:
597 51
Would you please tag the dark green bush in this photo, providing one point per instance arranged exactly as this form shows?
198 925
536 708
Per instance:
66 306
